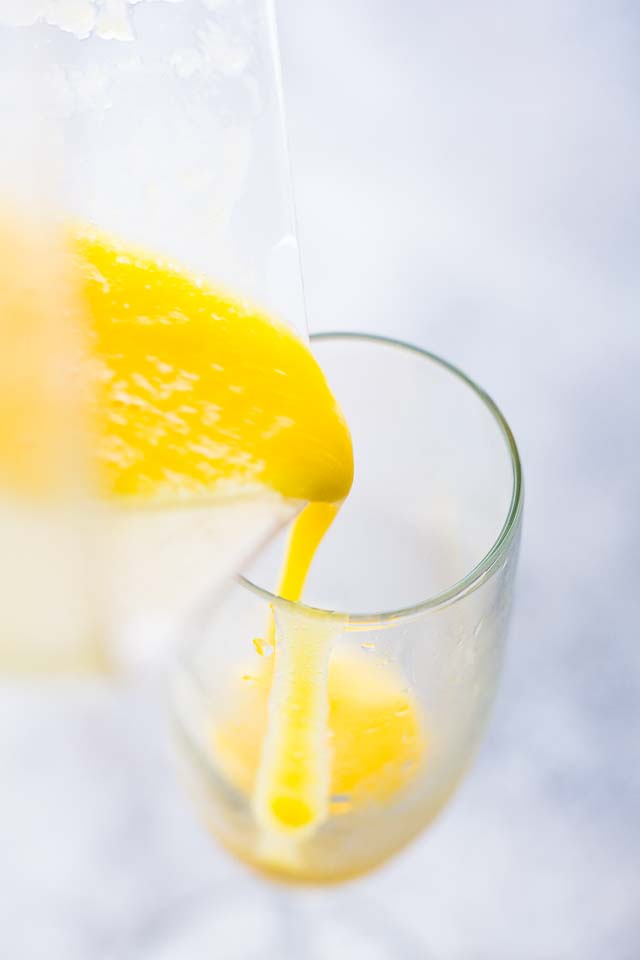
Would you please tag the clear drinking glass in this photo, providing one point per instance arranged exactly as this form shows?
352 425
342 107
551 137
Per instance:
413 584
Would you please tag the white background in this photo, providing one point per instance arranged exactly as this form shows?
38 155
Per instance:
467 178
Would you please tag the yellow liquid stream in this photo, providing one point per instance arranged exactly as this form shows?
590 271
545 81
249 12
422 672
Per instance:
292 787
198 393
315 733
195 394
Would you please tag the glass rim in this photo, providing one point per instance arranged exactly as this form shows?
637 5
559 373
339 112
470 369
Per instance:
480 572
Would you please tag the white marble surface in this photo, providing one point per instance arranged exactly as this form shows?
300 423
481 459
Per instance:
467 178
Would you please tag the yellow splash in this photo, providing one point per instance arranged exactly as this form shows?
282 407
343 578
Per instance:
374 737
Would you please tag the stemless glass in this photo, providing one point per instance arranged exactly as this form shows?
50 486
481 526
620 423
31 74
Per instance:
413 582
